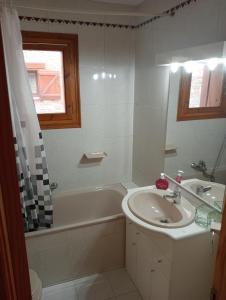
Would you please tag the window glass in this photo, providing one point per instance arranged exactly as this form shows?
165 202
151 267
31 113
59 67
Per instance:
32 76
196 87
45 73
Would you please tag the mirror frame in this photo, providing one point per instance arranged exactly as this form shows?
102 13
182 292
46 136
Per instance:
184 113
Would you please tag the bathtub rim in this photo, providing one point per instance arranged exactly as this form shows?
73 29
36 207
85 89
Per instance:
118 187
46 231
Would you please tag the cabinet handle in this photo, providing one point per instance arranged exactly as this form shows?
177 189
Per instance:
160 261
130 223
152 270
137 233
133 244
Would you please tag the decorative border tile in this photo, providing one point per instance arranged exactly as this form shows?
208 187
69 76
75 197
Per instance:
169 12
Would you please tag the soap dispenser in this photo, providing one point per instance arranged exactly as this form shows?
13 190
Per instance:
162 183
179 176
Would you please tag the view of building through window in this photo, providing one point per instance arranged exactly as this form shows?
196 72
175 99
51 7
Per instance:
45 73
196 87
206 86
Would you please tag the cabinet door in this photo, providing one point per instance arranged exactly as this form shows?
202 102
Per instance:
144 266
131 250
153 270
159 284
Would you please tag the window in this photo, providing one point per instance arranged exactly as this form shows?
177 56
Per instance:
202 93
52 63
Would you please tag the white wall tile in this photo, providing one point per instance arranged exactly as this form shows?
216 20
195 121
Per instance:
106 107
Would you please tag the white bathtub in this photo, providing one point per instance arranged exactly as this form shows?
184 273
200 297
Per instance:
88 236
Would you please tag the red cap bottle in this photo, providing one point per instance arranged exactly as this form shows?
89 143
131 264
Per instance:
162 183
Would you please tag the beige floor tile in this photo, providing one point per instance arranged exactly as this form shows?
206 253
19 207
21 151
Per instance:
96 291
113 285
120 281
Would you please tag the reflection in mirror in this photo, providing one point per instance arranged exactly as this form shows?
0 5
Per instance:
202 90
206 86
198 147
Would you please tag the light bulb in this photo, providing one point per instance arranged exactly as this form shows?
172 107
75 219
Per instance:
174 67
110 75
189 66
212 63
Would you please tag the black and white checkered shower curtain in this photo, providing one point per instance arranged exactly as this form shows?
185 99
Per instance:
35 193
33 178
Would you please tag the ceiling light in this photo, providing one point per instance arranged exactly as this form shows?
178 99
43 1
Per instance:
189 66
174 67
212 63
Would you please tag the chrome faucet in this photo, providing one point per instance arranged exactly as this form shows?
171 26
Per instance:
202 189
201 167
176 196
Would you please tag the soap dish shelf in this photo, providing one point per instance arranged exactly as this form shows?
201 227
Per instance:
95 155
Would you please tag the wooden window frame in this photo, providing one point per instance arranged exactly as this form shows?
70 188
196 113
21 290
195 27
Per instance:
184 113
68 45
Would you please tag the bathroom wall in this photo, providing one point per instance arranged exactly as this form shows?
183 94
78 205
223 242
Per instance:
200 23
106 107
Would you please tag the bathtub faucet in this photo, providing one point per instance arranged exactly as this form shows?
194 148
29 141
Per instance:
53 186
200 190
201 167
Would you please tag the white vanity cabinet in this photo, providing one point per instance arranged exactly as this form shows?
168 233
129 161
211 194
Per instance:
146 264
167 269
131 249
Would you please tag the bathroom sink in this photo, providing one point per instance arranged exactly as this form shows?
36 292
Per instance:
214 195
155 209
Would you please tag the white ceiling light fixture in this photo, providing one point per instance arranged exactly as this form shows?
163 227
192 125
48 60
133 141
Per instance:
189 66
174 67
212 63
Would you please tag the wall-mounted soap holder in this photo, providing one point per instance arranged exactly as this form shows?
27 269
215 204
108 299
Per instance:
170 149
92 158
95 155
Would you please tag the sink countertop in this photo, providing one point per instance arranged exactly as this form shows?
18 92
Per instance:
174 233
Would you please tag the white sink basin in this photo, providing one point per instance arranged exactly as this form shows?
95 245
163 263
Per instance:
214 196
153 208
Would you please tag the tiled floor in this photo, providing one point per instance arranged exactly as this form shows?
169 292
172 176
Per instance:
114 285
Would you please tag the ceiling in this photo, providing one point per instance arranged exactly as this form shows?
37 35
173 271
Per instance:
124 2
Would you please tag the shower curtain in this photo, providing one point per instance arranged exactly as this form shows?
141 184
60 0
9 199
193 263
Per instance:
33 178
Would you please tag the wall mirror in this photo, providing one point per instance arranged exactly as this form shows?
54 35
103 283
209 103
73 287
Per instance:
197 144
